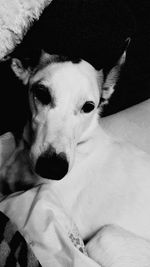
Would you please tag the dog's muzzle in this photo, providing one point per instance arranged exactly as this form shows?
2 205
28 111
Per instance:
51 165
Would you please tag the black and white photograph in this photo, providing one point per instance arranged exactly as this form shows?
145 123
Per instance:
74 133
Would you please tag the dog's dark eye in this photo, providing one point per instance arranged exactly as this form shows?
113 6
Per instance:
88 107
41 94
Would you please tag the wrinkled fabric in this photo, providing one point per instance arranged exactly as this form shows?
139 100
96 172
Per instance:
47 228
14 250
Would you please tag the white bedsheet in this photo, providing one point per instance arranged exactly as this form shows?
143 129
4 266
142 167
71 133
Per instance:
46 226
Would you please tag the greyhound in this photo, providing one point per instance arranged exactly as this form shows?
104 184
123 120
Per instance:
103 183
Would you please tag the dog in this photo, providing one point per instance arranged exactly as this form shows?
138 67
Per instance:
103 183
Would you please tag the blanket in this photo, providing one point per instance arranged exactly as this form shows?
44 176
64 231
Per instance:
47 228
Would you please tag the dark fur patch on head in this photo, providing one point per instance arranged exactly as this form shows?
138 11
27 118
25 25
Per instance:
47 59
62 58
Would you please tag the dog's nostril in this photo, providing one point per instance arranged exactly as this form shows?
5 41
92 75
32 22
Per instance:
54 166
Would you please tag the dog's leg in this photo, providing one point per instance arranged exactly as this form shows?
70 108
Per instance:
113 246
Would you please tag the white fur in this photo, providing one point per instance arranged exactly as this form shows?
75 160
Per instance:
108 183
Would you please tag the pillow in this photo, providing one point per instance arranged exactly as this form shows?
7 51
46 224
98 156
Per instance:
15 19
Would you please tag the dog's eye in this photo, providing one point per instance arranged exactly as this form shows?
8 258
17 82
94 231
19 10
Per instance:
88 107
41 94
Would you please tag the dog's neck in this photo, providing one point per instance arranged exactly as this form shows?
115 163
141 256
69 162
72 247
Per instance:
95 133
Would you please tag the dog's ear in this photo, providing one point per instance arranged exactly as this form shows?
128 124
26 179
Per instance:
112 77
23 73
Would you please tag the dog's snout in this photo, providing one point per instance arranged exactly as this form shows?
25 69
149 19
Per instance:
52 165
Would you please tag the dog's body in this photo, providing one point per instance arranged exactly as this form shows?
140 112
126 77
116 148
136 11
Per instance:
103 183
108 185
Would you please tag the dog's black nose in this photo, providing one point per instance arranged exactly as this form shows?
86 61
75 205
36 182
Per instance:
52 166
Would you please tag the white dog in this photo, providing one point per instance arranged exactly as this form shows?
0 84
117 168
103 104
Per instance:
102 182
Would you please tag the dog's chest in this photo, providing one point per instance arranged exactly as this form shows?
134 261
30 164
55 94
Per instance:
96 194
91 196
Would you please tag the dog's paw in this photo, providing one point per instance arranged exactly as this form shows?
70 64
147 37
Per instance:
113 246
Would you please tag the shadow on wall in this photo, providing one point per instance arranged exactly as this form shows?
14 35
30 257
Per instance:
66 19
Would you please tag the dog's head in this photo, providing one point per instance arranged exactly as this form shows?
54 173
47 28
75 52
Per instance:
64 98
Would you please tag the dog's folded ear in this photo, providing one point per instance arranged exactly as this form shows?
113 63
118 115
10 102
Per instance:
112 76
22 72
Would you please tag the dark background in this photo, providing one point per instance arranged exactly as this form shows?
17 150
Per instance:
83 30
